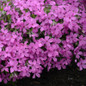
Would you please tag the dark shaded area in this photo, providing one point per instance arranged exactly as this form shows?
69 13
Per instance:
68 77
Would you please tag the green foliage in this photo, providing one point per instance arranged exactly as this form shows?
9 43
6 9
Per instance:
47 9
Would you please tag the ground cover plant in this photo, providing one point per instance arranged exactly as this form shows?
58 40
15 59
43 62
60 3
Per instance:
38 34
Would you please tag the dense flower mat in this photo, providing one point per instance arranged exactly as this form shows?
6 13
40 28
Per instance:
38 34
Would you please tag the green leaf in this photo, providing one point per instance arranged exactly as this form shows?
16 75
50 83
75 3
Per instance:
8 0
1 9
54 22
47 9
33 16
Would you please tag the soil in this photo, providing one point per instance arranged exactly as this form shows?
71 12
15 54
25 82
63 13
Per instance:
68 77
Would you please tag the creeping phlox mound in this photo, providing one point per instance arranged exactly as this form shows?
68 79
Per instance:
38 34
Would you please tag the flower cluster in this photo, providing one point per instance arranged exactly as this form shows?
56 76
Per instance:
38 34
